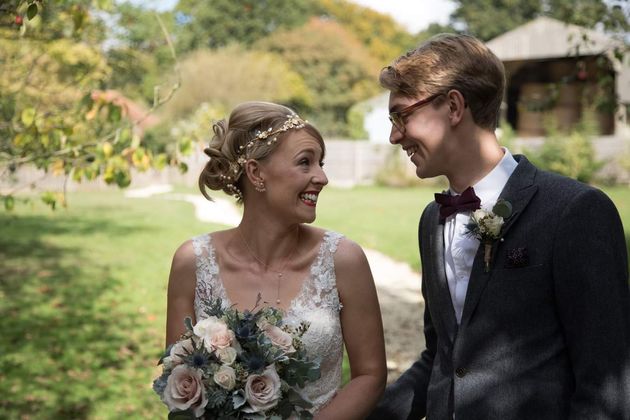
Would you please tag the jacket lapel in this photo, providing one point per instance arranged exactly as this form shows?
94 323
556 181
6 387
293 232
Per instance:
519 190
438 273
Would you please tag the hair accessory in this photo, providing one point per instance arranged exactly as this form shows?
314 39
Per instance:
293 121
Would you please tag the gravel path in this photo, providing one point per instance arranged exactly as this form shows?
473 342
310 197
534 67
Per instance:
398 286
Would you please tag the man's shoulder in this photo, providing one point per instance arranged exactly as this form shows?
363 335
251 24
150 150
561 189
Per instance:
553 181
558 189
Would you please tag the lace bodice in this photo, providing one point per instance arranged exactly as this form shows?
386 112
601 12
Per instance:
317 303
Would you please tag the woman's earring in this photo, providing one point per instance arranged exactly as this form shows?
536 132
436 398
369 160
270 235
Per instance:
260 186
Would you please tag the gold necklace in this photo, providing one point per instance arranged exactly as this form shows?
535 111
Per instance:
279 273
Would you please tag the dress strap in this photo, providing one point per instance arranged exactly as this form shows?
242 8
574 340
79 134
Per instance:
323 272
208 285
331 241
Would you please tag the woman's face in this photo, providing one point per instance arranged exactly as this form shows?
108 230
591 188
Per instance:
294 177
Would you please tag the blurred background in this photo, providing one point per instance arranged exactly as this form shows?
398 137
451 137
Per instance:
106 106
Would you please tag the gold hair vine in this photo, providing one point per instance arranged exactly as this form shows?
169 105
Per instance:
293 121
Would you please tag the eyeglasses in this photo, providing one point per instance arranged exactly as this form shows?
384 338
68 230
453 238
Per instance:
397 118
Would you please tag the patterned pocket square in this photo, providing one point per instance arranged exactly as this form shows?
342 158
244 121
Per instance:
517 258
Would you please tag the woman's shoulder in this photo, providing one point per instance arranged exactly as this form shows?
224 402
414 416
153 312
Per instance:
349 253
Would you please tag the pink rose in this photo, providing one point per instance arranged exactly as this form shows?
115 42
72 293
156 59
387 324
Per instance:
214 333
262 392
280 339
185 390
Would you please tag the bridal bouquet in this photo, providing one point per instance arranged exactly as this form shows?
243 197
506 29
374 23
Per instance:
237 365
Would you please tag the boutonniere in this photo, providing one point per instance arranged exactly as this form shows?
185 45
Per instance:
486 227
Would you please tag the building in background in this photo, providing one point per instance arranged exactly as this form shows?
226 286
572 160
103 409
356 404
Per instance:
558 70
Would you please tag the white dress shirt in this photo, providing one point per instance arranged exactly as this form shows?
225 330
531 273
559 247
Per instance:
460 249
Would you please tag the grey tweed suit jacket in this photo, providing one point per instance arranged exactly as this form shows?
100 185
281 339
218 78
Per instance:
542 336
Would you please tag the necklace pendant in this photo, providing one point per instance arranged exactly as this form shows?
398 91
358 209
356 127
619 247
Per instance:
279 274
277 301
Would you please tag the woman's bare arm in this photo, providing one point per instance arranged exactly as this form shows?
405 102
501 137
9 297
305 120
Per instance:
363 336
181 292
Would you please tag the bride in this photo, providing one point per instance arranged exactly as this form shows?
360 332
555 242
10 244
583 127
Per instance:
271 161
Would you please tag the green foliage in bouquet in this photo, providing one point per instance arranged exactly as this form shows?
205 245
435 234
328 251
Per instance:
237 365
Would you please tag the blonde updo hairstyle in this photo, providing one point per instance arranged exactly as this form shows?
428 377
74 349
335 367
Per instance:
223 172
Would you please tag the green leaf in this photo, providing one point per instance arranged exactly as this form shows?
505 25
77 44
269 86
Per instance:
502 208
122 178
183 168
160 161
28 116
77 174
49 199
32 10
181 415
9 202
185 146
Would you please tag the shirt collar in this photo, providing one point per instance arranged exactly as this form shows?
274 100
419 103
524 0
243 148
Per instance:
489 187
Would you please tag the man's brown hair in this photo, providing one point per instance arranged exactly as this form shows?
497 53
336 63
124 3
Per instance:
449 61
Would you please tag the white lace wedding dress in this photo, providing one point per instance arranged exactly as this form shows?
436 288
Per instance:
317 303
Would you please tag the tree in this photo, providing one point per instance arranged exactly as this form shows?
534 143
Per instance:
337 68
214 81
54 116
217 23
487 19
384 38
231 75
138 52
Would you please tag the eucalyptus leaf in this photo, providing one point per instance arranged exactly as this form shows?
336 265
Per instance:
31 12
238 399
502 208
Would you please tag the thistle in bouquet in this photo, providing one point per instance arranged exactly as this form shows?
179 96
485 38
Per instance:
237 365
486 227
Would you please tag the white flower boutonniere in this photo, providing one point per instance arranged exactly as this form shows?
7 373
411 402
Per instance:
486 227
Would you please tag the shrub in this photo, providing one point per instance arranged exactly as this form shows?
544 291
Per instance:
572 153
395 172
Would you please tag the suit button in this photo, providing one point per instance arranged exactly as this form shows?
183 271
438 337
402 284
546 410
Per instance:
460 372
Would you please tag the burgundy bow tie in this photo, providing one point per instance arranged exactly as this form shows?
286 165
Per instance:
450 204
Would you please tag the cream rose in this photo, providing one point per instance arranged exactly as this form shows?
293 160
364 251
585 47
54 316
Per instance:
225 377
262 392
226 355
280 338
179 350
214 333
479 214
185 390
493 225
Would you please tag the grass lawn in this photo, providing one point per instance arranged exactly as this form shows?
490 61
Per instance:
82 305
82 291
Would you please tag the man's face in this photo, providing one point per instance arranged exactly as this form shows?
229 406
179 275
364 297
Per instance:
422 131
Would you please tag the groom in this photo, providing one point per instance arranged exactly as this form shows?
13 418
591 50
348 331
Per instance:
537 327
